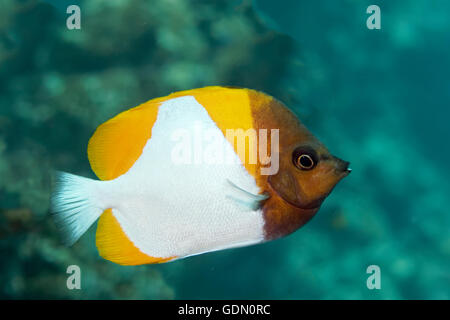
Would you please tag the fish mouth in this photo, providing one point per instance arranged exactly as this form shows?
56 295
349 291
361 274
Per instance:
344 173
342 166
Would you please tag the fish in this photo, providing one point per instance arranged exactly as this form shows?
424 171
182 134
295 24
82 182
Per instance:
177 177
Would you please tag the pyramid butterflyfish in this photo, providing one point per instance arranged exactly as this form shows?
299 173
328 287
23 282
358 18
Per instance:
193 172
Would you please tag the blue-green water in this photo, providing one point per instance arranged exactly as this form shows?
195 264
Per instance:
378 98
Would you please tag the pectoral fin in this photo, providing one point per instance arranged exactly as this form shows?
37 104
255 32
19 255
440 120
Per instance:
245 198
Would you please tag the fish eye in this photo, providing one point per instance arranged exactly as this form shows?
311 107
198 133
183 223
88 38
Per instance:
304 158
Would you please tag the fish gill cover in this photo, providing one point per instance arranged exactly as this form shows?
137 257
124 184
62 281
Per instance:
379 97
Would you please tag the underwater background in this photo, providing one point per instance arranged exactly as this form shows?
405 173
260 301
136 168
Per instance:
378 98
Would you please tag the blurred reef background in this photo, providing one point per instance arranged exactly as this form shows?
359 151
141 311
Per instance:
378 98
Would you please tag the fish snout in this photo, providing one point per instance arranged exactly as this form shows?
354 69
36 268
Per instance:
342 166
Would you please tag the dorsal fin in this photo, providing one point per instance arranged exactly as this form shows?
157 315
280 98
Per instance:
118 143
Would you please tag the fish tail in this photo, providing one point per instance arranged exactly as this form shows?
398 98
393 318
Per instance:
75 205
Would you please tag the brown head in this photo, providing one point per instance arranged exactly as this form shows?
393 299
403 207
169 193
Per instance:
307 172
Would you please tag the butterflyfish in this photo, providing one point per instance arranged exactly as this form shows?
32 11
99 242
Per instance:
193 172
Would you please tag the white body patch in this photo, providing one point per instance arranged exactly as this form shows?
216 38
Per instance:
169 209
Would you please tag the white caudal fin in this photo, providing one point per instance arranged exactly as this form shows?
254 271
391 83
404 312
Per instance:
75 205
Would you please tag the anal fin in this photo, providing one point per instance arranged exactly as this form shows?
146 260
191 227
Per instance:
114 245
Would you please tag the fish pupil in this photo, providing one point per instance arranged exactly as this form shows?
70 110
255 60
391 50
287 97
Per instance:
306 161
